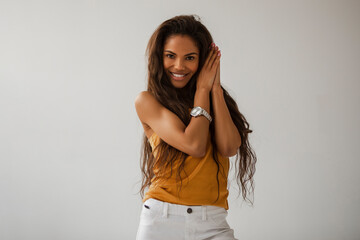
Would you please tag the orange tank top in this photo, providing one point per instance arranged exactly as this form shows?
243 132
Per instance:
199 184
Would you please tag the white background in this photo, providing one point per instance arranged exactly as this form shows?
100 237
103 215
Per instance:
70 137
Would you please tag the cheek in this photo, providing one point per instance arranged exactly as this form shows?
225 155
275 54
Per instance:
195 68
165 64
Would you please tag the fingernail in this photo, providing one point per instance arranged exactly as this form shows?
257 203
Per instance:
219 53
213 44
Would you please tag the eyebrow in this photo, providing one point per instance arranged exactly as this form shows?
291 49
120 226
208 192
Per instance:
185 54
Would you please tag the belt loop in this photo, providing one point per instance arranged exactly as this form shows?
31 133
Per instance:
165 209
203 208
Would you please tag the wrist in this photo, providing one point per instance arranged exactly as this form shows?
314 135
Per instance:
202 89
216 89
199 111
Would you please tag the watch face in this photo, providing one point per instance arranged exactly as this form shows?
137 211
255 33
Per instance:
196 111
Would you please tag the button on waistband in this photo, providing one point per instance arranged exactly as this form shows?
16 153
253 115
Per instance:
189 210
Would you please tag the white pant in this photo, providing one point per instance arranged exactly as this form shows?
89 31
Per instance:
161 220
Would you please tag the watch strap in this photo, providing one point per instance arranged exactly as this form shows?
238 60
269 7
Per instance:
204 113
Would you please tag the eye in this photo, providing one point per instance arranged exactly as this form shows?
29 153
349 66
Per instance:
169 55
191 58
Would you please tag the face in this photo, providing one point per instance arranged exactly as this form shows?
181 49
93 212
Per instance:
181 59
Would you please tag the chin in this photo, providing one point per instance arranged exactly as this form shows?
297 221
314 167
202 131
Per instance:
178 84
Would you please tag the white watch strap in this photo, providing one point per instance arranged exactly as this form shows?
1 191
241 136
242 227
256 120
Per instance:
206 114
202 112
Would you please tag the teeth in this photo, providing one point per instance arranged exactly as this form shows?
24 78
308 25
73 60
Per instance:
178 75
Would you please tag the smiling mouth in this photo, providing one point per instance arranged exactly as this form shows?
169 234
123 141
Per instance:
178 76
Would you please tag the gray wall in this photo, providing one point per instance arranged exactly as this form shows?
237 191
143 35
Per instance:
70 137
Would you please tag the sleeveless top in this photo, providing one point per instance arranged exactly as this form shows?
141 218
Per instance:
199 184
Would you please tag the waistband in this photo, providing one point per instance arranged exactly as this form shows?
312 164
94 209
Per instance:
182 210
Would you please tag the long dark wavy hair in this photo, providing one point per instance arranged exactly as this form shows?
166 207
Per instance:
180 100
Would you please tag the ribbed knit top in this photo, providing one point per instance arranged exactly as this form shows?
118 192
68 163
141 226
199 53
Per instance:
199 184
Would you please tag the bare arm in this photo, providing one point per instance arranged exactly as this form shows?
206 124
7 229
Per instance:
227 136
191 139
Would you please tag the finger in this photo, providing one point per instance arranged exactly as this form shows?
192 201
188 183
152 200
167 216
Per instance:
217 75
211 52
213 56
217 59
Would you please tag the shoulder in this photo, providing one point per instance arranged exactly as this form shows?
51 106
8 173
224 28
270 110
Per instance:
147 105
144 95
145 99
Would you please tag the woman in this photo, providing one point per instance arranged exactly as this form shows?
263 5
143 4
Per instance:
191 128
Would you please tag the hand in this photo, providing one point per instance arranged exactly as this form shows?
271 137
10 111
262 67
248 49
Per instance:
217 78
207 74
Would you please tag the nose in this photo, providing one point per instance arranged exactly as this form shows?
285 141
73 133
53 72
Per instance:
179 65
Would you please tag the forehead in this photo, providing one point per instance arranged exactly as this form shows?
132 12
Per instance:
181 44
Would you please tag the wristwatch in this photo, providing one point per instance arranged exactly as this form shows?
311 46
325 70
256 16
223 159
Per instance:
198 111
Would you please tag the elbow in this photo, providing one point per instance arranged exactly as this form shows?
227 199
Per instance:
199 151
229 151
